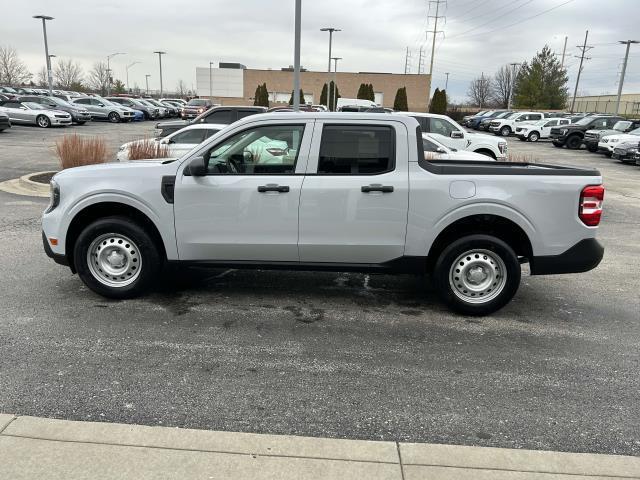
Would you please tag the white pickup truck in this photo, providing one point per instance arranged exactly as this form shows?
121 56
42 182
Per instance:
346 192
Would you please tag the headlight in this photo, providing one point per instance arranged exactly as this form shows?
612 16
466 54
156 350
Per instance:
613 140
564 131
502 146
54 196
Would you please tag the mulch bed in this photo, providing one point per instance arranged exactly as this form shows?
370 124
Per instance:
42 177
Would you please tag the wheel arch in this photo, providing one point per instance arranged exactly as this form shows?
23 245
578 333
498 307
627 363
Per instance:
490 224
486 151
109 209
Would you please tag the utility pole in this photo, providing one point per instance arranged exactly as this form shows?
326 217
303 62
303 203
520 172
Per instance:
44 19
584 48
160 53
624 70
211 81
420 62
434 33
514 75
146 79
446 84
330 30
296 57
564 50
334 90
407 63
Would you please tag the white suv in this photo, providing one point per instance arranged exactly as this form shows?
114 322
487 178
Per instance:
451 134
507 125
534 131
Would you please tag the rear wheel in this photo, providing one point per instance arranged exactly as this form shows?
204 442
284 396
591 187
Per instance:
80 123
592 148
117 258
534 136
114 117
43 121
574 142
477 274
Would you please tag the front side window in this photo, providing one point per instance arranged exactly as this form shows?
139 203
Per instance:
551 123
266 150
356 150
219 116
441 127
429 146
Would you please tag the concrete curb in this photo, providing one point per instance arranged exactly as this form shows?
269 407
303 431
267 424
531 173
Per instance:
25 186
60 449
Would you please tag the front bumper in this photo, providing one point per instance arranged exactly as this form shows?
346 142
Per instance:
606 147
4 124
60 121
582 257
81 117
57 257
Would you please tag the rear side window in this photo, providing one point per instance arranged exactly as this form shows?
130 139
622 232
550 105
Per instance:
220 116
245 113
356 150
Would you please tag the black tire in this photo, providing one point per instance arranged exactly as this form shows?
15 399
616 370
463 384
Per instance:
147 258
113 117
43 121
505 131
534 137
574 142
478 246
558 145
592 148
608 154
80 123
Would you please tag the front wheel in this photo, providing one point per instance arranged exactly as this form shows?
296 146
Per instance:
574 142
114 117
81 123
117 258
534 136
43 121
592 148
477 274
505 131
558 145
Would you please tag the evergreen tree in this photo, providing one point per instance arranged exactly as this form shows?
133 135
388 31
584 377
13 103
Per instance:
302 100
323 96
257 96
261 97
372 94
362 92
433 104
400 103
265 95
443 107
542 83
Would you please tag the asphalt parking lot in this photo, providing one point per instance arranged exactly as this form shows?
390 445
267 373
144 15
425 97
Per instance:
326 354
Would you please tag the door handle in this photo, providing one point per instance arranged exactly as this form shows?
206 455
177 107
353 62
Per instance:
376 188
273 188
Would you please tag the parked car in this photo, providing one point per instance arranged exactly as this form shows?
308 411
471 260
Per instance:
174 100
5 122
451 134
434 150
150 112
360 196
609 143
102 109
174 111
593 138
178 143
217 115
572 135
9 92
626 151
507 125
162 109
25 91
78 114
475 121
466 118
31 113
539 129
486 121
195 107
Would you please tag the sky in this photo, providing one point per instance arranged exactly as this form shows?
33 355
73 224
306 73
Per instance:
478 36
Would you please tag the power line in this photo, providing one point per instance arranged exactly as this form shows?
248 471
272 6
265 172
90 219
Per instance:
493 20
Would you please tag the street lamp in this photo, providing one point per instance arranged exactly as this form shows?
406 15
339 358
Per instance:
44 18
109 70
514 75
334 90
330 30
211 81
127 72
146 79
160 53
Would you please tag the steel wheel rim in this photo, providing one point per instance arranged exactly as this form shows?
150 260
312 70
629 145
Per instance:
533 137
114 260
478 276
42 121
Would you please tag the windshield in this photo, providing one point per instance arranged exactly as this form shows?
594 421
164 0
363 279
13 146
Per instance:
584 121
152 102
197 102
635 132
59 101
144 102
622 125
105 101
512 115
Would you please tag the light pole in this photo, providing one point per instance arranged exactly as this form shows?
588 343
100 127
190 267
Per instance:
330 30
160 53
146 79
211 81
127 70
514 75
44 19
446 83
334 90
296 56
109 70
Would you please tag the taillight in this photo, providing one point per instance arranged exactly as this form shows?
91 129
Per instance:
591 199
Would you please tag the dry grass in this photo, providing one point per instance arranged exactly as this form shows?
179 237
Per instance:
147 149
76 151
522 158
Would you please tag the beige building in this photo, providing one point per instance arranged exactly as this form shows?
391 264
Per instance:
629 104
236 86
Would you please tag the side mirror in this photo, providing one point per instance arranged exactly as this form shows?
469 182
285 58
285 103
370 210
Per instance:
457 134
101 104
440 150
196 168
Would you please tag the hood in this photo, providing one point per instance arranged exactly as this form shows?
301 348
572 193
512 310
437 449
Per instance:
139 169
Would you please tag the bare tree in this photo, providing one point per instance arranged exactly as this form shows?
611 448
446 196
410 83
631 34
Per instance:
503 82
67 73
181 88
99 77
41 78
480 90
12 70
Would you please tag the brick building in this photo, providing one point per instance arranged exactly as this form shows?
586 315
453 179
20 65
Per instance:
236 85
